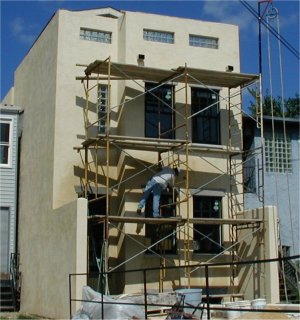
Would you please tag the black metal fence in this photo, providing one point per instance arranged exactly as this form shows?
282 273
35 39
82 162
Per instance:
203 306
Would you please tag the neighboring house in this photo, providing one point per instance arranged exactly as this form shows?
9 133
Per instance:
281 174
126 115
10 135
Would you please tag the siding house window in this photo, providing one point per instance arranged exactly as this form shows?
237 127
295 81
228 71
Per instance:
204 42
278 153
207 238
158 36
102 104
205 116
159 114
5 142
95 35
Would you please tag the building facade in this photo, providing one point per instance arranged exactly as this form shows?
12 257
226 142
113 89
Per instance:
109 97
281 174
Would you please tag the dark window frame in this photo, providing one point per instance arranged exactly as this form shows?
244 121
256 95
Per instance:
207 207
159 113
155 232
206 122
5 142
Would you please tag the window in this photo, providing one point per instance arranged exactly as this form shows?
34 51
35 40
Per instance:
159 114
5 142
156 232
95 35
205 116
204 42
158 36
207 238
249 179
102 105
278 153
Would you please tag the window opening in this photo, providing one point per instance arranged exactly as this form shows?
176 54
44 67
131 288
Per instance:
204 42
95 35
207 238
5 142
158 36
159 114
249 179
206 123
155 232
95 232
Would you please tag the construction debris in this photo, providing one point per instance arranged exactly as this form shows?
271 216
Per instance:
93 301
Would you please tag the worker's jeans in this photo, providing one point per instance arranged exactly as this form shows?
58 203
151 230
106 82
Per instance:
156 188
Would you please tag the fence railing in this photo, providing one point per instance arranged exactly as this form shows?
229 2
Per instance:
15 278
204 306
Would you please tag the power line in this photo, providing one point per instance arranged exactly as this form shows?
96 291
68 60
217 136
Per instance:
294 51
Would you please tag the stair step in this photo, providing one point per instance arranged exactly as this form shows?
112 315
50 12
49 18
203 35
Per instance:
6 296
7 309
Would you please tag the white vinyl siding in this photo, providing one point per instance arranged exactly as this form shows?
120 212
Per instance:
8 190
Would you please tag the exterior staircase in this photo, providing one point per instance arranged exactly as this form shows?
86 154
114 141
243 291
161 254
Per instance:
7 301
289 282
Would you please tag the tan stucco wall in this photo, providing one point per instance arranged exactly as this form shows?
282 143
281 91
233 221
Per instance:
53 101
9 98
260 280
53 251
52 243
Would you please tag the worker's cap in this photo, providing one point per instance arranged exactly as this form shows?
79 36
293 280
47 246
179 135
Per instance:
177 171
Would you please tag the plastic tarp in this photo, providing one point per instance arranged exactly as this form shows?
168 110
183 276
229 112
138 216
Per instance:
112 308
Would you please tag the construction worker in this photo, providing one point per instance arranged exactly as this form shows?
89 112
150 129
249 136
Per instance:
159 182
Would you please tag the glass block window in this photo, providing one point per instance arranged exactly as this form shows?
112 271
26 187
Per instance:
5 142
102 105
205 42
278 153
95 35
158 36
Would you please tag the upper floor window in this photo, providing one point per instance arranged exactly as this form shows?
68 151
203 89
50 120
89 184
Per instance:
95 35
5 142
278 153
205 42
158 36
205 116
159 113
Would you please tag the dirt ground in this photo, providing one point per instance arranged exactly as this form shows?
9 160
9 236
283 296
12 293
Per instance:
18 315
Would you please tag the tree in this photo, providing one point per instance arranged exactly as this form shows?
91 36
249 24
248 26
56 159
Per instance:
291 106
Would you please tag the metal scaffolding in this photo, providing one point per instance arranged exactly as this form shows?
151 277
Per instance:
98 148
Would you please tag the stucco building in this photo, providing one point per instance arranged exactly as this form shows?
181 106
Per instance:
109 97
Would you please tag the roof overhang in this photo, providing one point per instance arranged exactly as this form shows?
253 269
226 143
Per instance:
188 75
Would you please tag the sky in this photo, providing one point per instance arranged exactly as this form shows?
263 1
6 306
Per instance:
22 22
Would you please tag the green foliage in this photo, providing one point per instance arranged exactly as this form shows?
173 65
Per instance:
273 106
